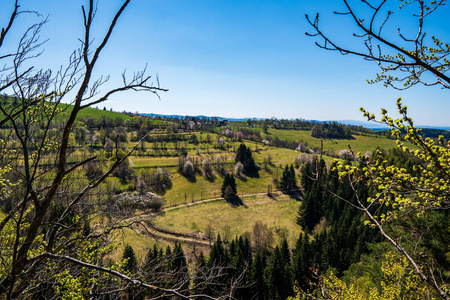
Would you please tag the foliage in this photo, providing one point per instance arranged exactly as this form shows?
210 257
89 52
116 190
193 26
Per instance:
229 187
129 259
158 180
399 282
288 179
129 201
331 130
244 156
405 194
409 199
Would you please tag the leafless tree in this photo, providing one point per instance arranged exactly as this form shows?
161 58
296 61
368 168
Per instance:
42 232
262 236
405 61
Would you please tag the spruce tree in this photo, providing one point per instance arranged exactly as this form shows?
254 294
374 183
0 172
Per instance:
286 252
131 260
244 155
311 209
259 287
292 179
278 276
230 182
200 275
284 181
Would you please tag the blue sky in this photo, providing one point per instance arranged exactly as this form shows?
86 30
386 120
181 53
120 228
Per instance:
238 59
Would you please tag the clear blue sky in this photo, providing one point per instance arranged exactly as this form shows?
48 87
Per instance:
237 59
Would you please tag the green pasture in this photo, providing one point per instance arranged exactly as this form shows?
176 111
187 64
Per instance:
359 144
93 112
278 214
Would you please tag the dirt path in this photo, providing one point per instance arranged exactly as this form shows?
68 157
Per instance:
154 231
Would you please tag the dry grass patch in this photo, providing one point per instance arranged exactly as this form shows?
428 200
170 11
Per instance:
279 215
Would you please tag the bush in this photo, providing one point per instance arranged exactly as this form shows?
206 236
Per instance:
129 200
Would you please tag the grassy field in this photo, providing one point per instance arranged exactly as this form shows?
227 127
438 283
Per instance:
93 112
188 190
359 144
140 243
279 215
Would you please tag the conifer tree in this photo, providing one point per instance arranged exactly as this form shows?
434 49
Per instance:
200 275
229 189
244 155
130 257
259 287
278 276
286 252
311 209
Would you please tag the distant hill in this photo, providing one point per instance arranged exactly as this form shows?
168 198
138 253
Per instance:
377 126
366 124
199 116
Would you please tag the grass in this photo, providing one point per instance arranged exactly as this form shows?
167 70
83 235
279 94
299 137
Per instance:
184 190
359 144
93 112
139 242
142 161
279 216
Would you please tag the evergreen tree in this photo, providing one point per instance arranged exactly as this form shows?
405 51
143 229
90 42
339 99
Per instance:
131 260
311 210
218 254
278 276
178 268
258 284
284 181
200 275
244 155
179 262
168 251
286 253
292 180
229 188
301 261
288 181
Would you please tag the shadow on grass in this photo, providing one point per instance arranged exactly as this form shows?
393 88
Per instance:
242 178
296 194
191 179
254 174
236 201
211 178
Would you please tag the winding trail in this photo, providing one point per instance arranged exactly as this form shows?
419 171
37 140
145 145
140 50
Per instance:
151 230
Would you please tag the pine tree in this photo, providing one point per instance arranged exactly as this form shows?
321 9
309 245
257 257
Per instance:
284 181
286 252
229 187
131 260
292 179
259 287
311 209
278 276
244 155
